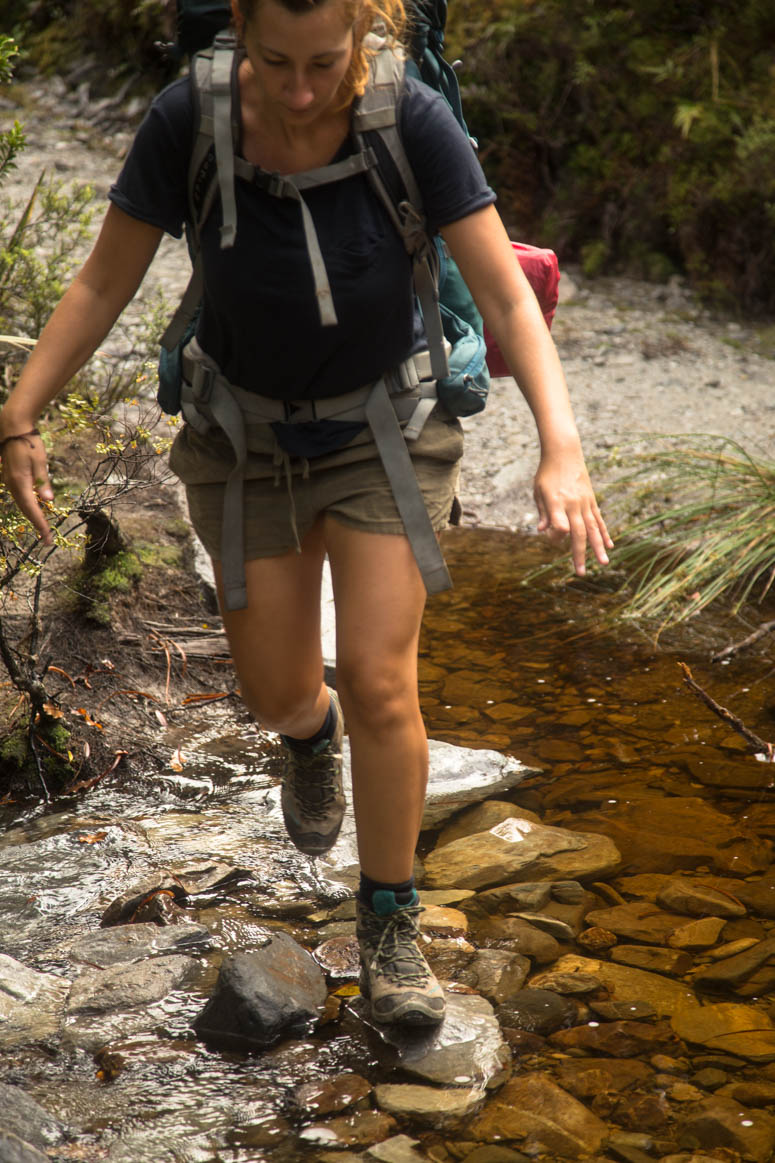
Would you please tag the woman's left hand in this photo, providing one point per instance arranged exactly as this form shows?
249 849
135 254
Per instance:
566 506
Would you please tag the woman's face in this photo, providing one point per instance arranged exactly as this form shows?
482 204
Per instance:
299 58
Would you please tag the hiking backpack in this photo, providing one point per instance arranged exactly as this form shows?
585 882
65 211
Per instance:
453 324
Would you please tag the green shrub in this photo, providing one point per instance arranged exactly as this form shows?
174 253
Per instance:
645 129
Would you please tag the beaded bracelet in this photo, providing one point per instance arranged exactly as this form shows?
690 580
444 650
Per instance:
19 436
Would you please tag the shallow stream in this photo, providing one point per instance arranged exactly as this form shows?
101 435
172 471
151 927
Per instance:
534 671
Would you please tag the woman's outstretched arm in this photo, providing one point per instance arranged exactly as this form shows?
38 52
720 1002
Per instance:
563 491
84 316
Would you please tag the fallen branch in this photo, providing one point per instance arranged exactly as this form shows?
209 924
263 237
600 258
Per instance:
736 647
761 745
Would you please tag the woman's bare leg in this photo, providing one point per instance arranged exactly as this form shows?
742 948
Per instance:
380 598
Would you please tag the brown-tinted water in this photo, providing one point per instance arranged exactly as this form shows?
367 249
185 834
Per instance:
625 749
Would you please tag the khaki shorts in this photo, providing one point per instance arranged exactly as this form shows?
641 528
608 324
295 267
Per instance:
284 495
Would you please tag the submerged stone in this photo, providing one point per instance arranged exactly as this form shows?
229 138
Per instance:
698 900
194 884
31 1004
669 833
733 970
541 1117
123 943
625 984
276 991
124 987
331 1095
637 921
431 1105
16 1150
540 1011
735 1029
21 1115
518 849
518 936
721 1122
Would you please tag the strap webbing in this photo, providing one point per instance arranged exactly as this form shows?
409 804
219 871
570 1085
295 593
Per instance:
406 491
220 80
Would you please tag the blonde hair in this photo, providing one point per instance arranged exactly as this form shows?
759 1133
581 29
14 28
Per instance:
387 17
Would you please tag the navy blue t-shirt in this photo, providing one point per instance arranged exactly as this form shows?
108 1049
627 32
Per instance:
260 319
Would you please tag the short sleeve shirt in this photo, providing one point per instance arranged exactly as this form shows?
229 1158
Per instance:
260 319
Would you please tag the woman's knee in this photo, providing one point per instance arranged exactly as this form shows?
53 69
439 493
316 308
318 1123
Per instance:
377 694
285 707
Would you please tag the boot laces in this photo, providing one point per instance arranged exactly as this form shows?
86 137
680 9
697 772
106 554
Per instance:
397 955
314 779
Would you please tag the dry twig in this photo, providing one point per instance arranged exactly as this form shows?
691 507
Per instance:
761 745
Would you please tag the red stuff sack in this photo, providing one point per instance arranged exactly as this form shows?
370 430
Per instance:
543 274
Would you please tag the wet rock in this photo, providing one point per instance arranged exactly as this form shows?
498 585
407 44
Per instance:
431 1105
721 1122
566 983
619 1039
560 930
653 959
671 833
711 1079
129 986
540 1116
480 818
727 1026
461 776
398 1149
630 1147
733 970
496 974
467 1049
518 849
597 939
356 1130
537 1010
331 1095
585 1078
623 1011
637 921
276 991
701 934
624 983
193 885
124 943
339 958
16 1150
493 1154
443 922
682 896
31 1003
747 1093
519 936
20 1115
732 948
509 898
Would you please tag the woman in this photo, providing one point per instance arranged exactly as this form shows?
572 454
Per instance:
319 488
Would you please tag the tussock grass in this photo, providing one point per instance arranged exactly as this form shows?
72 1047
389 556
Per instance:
707 531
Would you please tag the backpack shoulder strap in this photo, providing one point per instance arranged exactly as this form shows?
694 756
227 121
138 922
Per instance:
216 118
375 113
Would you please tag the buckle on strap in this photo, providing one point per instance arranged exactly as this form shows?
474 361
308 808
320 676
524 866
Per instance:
202 382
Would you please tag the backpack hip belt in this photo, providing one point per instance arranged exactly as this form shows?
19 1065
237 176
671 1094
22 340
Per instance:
405 395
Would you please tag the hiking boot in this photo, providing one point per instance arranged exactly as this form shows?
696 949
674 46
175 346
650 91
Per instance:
394 974
312 798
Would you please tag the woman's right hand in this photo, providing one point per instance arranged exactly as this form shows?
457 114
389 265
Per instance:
25 474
